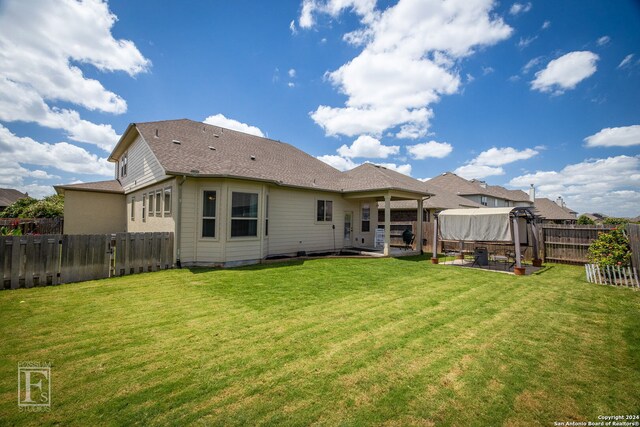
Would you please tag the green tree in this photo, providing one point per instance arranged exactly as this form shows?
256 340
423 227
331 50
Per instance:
585 220
28 207
610 248
615 221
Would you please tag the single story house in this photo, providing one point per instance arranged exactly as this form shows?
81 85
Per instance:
232 198
9 196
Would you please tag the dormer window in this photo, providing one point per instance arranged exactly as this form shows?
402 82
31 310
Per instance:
124 160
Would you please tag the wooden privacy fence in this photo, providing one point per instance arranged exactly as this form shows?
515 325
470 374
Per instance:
34 225
633 232
40 260
569 243
612 275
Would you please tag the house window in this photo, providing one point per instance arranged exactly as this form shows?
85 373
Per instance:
324 210
159 203
151 203
366 218
244 214
209 214
144 208
167 201
495 202
133 209
124 161
266 216
483 200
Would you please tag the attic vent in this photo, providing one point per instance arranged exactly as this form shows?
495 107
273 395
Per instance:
211 147
175 141
156 135
253 157
215 135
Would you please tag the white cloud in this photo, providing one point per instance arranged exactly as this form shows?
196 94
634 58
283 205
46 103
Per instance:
292 27
407 63
490 162
292 72
403 169
526 41
531 64
626 136
338 162
503 156
487 70
435 149
222 121
518 8
471 171
565 72
626 61
19 151
596 185
291 84
39 43
546 24
603 40
369 147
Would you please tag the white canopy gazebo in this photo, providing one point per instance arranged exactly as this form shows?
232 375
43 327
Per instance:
501 225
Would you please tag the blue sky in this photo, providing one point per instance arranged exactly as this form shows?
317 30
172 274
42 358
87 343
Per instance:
512 92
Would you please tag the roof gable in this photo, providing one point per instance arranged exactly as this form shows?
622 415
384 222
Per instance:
9 196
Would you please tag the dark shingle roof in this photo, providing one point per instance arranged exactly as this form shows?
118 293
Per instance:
9 196
111 186
441 199
199 149
550 210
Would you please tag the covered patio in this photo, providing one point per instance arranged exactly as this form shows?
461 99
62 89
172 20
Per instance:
511 227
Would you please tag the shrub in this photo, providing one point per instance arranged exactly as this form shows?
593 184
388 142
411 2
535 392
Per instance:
615 221
28 207
611 248
585 220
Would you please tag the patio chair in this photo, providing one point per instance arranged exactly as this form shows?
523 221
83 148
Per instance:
408 238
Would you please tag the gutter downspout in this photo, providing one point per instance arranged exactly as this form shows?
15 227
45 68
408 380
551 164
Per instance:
179 221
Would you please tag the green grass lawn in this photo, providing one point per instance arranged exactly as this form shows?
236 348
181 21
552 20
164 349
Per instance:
326 342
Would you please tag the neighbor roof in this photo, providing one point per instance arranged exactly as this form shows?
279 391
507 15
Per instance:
110 186
186 147
440 199
9 196
455 184
550 210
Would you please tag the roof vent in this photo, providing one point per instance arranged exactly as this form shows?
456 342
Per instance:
211 147
216 135
156 135
253 157
195 171
175 141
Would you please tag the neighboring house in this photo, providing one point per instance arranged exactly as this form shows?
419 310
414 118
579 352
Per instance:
492 196
596 217
552 212
405 211
454 192
9 196
233 198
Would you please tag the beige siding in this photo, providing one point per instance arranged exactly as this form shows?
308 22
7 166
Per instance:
143 167
87 212
293 226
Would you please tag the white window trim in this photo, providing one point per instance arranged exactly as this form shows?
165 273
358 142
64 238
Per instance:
132 213
167 213
159 200
258 235
201 217
315 211
144 207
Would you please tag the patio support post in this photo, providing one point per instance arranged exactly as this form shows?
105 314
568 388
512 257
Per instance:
516 238
534 235
418 238
434 243
387 225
